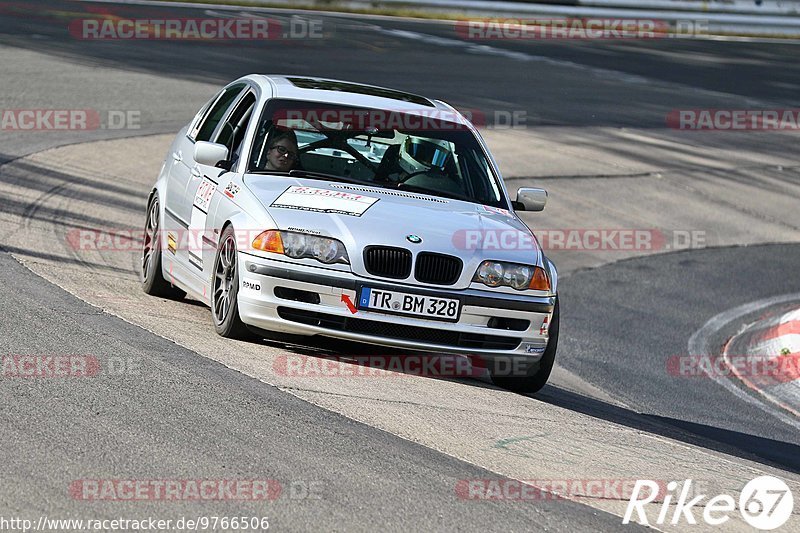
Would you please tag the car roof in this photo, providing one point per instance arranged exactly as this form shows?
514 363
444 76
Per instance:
315 89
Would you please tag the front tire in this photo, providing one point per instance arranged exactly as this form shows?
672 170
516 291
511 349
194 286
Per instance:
225 290
538 374
153 282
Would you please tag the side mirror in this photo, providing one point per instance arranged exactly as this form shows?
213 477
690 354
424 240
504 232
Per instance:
530 199
210 154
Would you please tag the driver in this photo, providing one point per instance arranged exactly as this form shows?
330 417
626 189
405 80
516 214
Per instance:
282 154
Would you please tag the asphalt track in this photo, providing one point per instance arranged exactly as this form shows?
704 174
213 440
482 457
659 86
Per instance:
156 411
671 292
621 320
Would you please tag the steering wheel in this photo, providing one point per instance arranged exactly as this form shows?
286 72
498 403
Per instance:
338 141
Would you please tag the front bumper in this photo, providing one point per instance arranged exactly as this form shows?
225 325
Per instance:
297 299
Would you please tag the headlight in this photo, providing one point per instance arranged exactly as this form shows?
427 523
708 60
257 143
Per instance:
301 245
519 277
490 273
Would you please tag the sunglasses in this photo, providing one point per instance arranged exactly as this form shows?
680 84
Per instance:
282 150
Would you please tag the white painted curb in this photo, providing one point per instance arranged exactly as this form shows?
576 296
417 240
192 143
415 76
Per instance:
773 346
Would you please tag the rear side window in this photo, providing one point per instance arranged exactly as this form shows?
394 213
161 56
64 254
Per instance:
194 126
232 132
217 112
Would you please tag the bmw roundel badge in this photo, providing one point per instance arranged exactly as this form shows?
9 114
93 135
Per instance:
415 239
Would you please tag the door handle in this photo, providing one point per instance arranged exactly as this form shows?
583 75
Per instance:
177 156
196 173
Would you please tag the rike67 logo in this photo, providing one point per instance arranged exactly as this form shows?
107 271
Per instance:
765 503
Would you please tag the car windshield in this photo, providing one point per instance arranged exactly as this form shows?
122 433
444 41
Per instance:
427 153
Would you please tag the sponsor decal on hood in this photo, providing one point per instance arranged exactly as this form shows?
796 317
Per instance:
324 201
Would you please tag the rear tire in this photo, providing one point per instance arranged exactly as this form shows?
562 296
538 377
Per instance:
225 290
538 374
153 282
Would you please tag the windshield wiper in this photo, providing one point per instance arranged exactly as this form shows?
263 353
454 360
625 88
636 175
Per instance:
323 176
266 171
433 192
308 174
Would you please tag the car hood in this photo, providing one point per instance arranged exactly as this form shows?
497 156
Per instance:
360 216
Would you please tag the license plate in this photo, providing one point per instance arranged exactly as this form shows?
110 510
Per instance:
401 303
